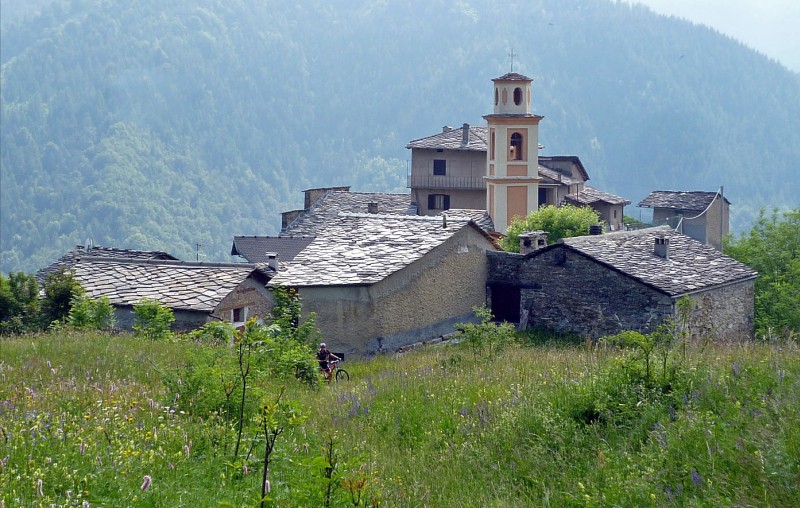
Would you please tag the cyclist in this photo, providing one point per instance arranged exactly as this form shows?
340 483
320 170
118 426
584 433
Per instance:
324 356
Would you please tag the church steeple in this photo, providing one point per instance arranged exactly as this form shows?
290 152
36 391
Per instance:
512 172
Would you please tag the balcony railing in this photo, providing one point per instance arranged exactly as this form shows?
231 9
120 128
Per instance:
446 182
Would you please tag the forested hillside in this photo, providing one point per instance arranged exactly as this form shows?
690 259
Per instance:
160 125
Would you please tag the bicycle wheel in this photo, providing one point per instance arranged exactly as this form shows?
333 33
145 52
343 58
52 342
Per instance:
342 375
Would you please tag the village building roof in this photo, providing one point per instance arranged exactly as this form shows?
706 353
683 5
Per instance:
693 201
565 165
512 76
68 260
335 202
590 195
255 248
179 285
553 176
452 138
480 217
362 249
689 267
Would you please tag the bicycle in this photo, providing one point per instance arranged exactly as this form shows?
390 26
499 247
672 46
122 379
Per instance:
337 373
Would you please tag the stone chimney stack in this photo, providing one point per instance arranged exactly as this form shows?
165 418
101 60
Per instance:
531 241
661 247
465 134
272 260
446 128
372 207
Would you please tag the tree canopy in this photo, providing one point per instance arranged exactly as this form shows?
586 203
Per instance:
772 248
559 222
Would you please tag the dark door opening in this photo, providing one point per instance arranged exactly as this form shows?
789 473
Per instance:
505 303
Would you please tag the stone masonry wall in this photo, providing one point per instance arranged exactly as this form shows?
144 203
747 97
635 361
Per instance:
725 313
251 294
563 290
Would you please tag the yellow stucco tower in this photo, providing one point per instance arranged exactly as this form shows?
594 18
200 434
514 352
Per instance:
512 172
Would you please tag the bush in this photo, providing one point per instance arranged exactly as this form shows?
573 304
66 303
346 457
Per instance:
152 320
60 290
91 314
19 303
559 222
487 337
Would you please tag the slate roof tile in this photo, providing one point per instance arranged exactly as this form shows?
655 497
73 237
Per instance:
695 201
366 248
691 266
590 195
335 202
68 260
177 284
255 248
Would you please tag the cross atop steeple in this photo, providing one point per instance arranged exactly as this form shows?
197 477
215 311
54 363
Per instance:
511 56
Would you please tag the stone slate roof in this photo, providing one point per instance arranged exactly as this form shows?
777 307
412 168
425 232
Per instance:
179 285
333 203
481 218
451 140
556 176
254 248
556 163
691 266
695 201
590 195
362 249
512 76
68 260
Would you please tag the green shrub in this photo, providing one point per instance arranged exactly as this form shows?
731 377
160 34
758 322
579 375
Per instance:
60 290
559 222
91 314
487 337
152 320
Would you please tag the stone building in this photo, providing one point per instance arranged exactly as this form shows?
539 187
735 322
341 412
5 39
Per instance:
600 285
196 292
608 206
379 282
702 215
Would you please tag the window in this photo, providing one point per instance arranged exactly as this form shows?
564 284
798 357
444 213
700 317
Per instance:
491 146
518 96
439 167
515 150
496 97
239 315
438 202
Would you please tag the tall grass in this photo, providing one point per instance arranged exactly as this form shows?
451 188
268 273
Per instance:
85 417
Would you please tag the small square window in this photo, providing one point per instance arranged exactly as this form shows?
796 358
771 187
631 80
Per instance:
239 315
439 167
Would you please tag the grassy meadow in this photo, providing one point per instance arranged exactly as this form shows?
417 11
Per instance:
89 419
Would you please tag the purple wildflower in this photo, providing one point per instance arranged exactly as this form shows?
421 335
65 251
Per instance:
267 486
146 483
39 488
696 478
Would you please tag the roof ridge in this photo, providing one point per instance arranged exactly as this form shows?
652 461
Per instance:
165 262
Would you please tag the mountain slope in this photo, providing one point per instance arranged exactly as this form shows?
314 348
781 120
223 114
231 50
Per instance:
165 125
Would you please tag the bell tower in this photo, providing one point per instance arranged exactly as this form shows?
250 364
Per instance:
512 160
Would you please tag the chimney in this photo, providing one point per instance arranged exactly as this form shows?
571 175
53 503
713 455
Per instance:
661 247
531 241
272 260
595 229
446 128
372 207
465 134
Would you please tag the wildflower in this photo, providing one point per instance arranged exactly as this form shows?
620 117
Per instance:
146 484
83 447
696 478
39 488
266 486
245 470
48 365
186 449
85 504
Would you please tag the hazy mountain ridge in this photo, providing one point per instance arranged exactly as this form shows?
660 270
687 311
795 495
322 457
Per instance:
162 126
